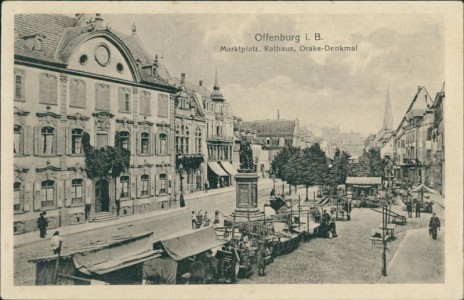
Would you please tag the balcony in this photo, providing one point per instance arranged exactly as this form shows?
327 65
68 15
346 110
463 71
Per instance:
220 138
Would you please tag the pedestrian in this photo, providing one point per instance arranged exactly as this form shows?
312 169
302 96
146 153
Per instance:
333 226
216 217
87 208
418 206
272 192
409 208
194 220
260 259
182 201
434 224
199 219
206 186
57 241
42 223
118 207
206 219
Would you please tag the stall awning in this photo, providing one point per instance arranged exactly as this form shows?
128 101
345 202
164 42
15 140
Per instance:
191 243
229 168
364 180
217 168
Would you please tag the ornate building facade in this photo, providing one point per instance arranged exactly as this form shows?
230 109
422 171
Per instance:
73 76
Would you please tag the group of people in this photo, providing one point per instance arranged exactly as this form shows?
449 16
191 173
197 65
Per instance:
328 221
200 218
409 207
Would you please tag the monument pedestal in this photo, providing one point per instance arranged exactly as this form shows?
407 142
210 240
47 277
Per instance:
246 205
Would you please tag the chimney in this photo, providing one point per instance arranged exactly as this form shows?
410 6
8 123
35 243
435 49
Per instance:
182 78
418 88
200 83
133 28
80 19
98 21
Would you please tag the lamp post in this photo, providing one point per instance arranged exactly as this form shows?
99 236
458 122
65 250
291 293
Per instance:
182 201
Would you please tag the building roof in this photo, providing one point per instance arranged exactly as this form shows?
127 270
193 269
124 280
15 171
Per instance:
272 128
62 33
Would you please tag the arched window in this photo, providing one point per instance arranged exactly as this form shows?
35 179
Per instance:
144 143
48 134
77 191
76 141
163 142
268 142
124 139
124 180
48 193
145 185
281 142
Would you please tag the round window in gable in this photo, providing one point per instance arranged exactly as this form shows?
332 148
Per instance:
83 59
120 67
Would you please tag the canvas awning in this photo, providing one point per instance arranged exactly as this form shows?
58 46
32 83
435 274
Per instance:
191 243
217 168
423 189
229 168
364 180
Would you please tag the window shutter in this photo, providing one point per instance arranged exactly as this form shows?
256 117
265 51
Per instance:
151 144
36 140
88 191
60 139
139 186
169 184
133 187
120 100
59 193
138 142
151 182
27 140
106 93
43 88
116 136
156 185
53 89
169 145
74 92
37 198
67 192
27 197
68 138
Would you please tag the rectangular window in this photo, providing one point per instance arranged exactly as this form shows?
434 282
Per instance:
429 154
145 103
19 85
124 95
76 141
145 181
124 139
162 180
163 143
102 97
124 186
17 196
18 140
48 134
77 191
77 93
163 106
48 193
48 89
102 140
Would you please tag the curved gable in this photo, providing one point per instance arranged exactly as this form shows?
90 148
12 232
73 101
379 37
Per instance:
101 53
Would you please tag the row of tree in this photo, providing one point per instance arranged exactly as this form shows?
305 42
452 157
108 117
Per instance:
310 166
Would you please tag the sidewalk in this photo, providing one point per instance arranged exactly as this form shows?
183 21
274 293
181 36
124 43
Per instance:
419 259
31 237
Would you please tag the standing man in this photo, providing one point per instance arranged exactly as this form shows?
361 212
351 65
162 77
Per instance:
57 241
216 217
434 224
194 222
182 201
42 223
418 209
206 186
118 206
87 208
409 208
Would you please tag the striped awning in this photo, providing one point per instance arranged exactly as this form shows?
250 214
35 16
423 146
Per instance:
217 168
229 168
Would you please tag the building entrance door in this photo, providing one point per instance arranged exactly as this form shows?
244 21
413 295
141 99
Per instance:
102 198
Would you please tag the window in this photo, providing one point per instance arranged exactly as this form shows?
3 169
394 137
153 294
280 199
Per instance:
38 46
48 89
77 191
145 101
145 138
429 134
163 106
281 142
77 93
124 186
48 134
17 196
268 142
19 85
102 140
182 139
163 141
124 100
402 143
429 154
102 96
48 193
162 180
18 140
198 140
76 142
124 139
145 181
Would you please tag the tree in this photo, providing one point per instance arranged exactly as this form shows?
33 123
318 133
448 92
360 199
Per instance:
370 164
339 169
311 167
280 161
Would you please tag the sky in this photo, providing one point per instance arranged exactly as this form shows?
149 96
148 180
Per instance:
348 89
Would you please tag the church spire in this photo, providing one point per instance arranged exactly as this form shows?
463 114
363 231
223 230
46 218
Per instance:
388 114
216 94
216 82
